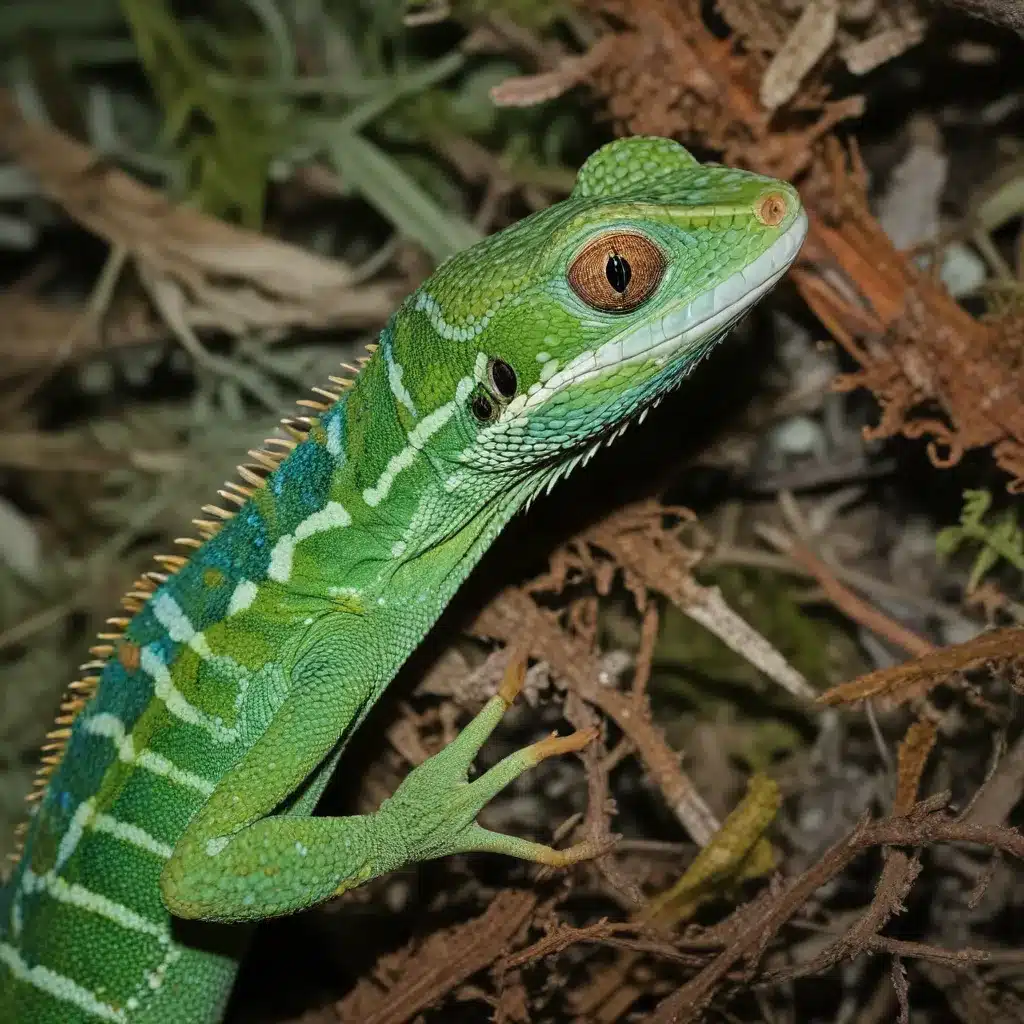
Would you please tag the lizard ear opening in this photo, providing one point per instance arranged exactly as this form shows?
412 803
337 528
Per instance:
483 407
635 161
617 271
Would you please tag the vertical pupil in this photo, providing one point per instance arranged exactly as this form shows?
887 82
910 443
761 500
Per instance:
618 272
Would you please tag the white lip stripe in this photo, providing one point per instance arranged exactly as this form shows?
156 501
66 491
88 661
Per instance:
74 895
59 987
111 727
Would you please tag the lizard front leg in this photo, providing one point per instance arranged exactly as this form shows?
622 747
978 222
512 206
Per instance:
238 860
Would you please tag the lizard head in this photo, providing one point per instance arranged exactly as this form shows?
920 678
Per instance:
553 334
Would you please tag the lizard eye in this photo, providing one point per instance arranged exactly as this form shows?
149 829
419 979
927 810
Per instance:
617 271
503 377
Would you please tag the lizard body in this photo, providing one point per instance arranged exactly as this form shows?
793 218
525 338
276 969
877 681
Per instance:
213 717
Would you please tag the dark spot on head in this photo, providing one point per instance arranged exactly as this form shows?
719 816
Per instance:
503 377
129 655
213 577
482 407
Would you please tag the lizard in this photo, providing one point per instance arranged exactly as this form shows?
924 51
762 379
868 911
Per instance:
174 808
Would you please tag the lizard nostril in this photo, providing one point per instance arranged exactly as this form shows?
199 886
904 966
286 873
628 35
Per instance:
771 209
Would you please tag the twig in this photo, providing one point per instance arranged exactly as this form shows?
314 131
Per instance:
441 963
643 548
917 829
913 679
514 614
842 597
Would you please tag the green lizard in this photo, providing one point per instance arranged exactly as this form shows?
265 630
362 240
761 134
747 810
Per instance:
185 767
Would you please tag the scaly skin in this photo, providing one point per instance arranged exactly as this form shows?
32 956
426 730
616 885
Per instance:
189 776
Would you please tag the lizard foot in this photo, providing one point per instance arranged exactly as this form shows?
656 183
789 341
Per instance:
435 808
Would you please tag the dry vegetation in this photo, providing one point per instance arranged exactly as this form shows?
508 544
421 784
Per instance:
810 759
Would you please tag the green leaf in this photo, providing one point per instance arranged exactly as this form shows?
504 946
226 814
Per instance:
947 541
976 506
986 560
1001 540
376 176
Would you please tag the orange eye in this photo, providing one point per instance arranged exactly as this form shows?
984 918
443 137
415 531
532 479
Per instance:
617 271
770 210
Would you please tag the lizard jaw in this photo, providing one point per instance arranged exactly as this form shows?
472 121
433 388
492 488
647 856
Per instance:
706 316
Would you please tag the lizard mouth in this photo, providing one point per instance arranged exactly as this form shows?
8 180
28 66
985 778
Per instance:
692 327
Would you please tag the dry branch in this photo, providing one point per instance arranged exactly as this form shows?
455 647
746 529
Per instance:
230 278
514 614
922 827
913 679
423 973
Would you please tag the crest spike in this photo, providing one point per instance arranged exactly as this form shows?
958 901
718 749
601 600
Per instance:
235 499
172 563
265 459
250 477
281 442
220 513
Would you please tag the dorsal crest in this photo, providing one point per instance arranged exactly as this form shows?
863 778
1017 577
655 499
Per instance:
628 163
112 644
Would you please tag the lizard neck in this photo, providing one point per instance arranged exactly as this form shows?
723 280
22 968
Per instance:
365 511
